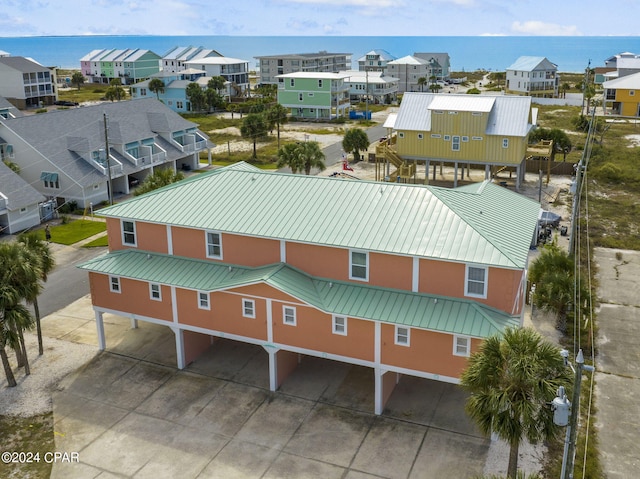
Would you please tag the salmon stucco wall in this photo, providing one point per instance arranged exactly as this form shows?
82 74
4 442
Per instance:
225 314
313 330
428 351
149 236
320 261
390 271
134 297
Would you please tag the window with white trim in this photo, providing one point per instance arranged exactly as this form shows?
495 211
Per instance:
455 143
435 135
420 136
339 325
128 232
505 143
447 137
114 284
359 265
289 315
476 138
402 336
475 281
465 139
214 244
476 113
461 346
203 300
155 291
632 92
320 83
292 82
401 134
248 308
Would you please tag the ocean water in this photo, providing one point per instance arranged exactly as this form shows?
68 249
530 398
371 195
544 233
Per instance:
571 54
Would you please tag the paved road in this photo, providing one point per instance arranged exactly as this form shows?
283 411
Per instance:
66 283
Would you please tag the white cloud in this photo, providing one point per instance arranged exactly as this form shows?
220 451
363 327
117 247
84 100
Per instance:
534 27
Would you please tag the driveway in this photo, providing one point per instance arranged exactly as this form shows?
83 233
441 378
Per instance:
130 413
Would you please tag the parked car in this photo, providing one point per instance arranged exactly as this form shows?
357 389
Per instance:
66 103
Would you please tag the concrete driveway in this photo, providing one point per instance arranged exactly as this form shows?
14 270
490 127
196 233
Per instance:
130 413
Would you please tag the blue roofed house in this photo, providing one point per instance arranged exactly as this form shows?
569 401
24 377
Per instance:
375 61
19 201
533 76
173 60
62 153
174 92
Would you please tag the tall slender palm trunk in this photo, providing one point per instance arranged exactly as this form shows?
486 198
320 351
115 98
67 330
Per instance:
512 469
36 311
8 372
23 347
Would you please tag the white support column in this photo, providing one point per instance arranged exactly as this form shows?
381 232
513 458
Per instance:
455 174
378 390
487 172
179 347
377 371
169 240
134 323
102 344
415 274
283 251
273 369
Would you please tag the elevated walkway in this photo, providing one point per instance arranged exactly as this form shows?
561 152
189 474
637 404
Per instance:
387 156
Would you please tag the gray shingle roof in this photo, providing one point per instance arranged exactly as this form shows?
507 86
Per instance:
53 133
19 193
23 65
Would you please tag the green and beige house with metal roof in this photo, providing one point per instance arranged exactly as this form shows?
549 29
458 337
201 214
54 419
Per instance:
315 95
402 279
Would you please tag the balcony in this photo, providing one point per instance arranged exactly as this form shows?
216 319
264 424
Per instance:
190 143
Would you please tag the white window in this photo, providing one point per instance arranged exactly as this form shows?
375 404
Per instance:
632 92
476 113
420 136
300 97
319 83
248 308
289 315
461 346
214 244
114 284
340 325
310 94
453 113
435 135
402 336
455 143
505 143
359 265
401 134
179 105
292 82
447 137
23 210
203 300
128 232
476 138
439 112
155 291
476 282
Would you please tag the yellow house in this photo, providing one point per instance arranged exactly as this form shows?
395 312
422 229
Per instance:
465 129
622 96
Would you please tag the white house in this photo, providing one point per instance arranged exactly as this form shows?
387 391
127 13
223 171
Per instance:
233 70
533 76
19 202
373 84
25 82
173 60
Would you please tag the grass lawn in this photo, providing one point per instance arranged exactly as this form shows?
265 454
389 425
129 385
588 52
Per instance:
30 434
74 231
102 241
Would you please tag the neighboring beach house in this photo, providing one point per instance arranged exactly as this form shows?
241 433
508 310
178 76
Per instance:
174 92
375 61
129 65
233 70
409 69
272 66
62 153
533 76
461 129
622 96
314 96
375 85
8 110
25 83
440 63
19 202
409 282
173 60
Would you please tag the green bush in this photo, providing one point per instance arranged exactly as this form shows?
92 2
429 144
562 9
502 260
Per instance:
610 172
41 110
65 219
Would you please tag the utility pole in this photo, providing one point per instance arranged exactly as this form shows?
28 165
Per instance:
106 152
582 165
560 405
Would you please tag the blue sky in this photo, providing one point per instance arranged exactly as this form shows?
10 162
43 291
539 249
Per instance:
319 17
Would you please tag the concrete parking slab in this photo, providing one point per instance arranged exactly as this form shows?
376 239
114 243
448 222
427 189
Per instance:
240 460
287 466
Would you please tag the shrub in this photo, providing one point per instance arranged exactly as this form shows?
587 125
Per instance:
65 219
41 110
610 172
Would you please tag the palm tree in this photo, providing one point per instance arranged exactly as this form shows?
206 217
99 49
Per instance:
159 178
312 156
78 79
196 96
511 379
156 86
277 115
355 140
41 253
289 155
422 81
553 274
254 126
216 83
8 337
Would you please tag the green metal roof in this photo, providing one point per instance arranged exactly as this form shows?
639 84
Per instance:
485 223
417 310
